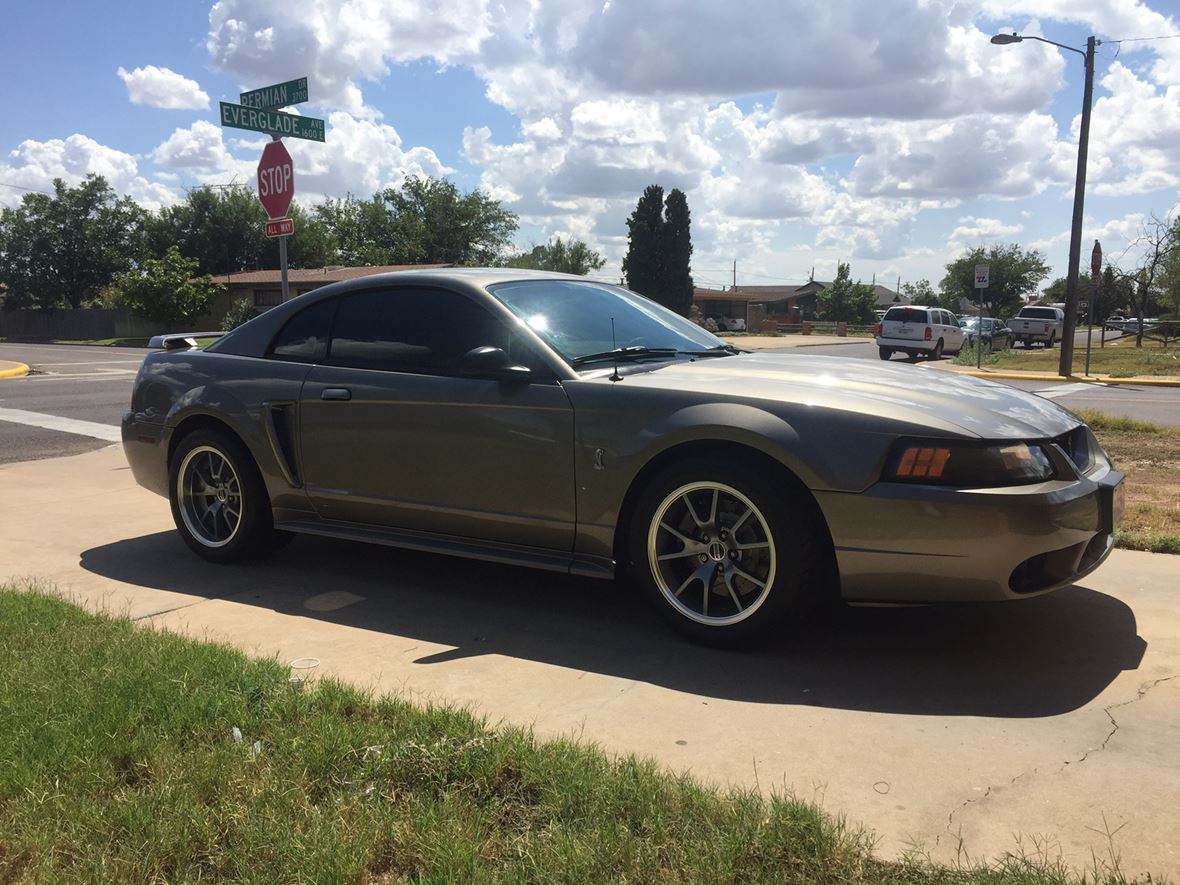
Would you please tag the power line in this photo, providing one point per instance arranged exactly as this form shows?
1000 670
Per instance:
21 187
1141 39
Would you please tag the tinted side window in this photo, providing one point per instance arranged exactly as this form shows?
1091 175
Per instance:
423 331
304 338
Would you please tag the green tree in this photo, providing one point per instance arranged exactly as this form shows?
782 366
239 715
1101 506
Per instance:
431 222
220 228
165 290
1055 292
642 265
560 256
224 230
677 253
1116 293
1014 273
846 301
659 249
62 250
361 230
923 293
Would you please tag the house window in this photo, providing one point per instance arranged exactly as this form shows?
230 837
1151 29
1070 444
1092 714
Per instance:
268 297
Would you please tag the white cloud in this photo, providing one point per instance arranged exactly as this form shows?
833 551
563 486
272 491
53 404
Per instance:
973 231
163 88
338 42
34 165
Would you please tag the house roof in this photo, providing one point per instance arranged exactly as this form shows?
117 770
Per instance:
699 294
324 275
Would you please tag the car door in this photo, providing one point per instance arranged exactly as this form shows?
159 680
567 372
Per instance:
394 434
954 332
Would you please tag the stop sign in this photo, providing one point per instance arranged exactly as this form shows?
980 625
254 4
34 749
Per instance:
276 179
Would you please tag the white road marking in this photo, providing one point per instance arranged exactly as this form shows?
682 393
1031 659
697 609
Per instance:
66 425
1063 390
109 374
91 363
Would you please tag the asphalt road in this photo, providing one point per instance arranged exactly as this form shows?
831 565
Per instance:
88 384
92 385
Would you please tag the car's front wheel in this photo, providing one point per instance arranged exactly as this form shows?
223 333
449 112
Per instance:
725 556
219 501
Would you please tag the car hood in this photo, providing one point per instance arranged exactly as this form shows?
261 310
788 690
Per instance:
927 397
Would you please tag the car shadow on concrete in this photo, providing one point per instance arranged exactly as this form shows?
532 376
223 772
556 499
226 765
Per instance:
1037 657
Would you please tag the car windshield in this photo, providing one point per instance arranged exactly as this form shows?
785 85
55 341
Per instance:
575 318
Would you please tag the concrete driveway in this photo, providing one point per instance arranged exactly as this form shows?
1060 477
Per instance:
1055 721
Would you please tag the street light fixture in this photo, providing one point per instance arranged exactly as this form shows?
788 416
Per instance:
1065 367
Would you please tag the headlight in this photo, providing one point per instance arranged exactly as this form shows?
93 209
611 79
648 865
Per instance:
967 464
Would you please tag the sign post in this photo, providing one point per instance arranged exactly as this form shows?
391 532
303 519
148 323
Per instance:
276 187
982 275
1095 273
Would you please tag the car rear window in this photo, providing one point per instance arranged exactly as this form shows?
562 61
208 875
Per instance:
906 315
1038 313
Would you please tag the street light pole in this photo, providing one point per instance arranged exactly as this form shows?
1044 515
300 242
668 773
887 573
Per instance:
1065 366
1075 236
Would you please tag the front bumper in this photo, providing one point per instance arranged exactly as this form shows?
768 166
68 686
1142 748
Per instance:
911 543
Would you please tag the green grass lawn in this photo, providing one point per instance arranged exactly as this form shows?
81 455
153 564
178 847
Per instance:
1119 360
119 763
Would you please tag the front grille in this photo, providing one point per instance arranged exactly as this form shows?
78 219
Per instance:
1076 444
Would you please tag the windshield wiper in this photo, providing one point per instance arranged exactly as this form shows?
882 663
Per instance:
623 353
718 350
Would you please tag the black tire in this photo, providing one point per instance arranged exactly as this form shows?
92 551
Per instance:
936 354
794 559
254 534
885 352
1050 342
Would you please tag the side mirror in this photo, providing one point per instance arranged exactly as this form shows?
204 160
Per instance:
493 362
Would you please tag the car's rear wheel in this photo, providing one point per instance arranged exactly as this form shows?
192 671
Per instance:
219 501
936 354
885 352
1051 340
725 556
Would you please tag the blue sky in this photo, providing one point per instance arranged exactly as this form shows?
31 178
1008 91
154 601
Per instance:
887 134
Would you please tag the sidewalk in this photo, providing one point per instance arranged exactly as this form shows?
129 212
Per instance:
1055 718
9 369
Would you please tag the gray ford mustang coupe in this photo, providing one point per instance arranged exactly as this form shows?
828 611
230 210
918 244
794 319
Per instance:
548 420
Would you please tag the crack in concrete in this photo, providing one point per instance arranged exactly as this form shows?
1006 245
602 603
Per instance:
1143 690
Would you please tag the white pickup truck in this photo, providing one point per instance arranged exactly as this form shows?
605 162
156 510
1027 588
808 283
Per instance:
1043 324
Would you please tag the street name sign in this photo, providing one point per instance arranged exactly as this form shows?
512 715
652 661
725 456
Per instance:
271 122
982 272
276 179
281 95
280 227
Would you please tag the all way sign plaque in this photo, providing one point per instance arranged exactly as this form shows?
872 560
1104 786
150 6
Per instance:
280 227
271 122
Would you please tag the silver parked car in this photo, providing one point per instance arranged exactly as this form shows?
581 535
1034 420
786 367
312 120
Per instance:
550 421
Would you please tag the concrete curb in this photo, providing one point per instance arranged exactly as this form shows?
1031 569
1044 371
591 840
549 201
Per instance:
12 370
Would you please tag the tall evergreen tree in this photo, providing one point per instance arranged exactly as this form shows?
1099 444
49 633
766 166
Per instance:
642 264
659 249
677 254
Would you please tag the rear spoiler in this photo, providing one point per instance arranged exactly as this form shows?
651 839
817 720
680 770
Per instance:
177 340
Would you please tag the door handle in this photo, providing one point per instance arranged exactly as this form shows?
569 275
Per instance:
337 393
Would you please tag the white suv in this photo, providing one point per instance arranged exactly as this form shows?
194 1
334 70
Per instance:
914 330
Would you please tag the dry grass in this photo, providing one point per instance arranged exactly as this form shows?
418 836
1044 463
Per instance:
1120 359
1150 456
